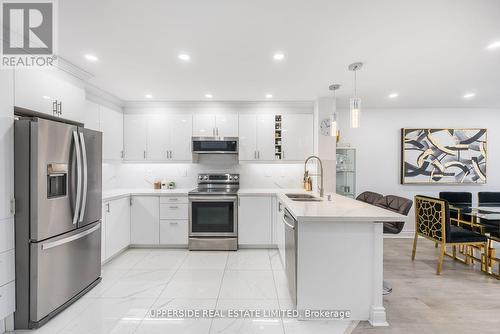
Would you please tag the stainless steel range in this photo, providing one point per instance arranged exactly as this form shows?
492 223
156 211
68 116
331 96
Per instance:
213 212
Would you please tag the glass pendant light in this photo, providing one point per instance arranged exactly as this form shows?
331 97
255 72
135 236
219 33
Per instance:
333 116
355 102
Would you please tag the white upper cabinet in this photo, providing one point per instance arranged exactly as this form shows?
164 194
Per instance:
135 127
112 133
6 144
226 125
158 137
248 137
256 137
222 125
265 137
91 117
203 125
47 91
181 132
297 133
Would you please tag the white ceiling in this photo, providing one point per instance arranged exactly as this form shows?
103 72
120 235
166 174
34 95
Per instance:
430 52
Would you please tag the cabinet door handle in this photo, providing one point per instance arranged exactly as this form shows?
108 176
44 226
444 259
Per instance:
171 155
174 207
54 108
131 201
258 155
108 209
144 154
122 154
60 108
173 199
217 131
174 223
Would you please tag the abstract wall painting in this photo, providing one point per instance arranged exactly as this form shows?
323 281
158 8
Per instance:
443 156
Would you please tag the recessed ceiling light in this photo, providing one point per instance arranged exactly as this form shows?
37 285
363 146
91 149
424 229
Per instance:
269 96
278 56
393 95
91 57
469 95
208 96
184 57
494 45
148 96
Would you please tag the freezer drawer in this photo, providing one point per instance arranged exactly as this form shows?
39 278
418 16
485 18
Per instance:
61 267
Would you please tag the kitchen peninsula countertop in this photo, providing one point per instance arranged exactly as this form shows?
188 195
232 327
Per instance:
340 208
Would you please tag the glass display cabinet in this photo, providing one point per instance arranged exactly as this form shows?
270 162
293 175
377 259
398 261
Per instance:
346 171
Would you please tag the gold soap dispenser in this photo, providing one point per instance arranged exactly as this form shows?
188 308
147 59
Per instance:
307 181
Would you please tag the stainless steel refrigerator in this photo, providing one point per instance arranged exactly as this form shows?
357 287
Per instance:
58 216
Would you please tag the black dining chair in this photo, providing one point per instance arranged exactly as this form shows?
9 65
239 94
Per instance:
458 200
432 221
400 205
369 197
490 199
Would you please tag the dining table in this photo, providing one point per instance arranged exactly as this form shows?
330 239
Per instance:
484 220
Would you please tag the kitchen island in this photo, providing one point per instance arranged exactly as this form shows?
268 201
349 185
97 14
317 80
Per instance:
333 255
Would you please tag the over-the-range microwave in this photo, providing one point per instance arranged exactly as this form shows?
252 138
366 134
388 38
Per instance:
215 145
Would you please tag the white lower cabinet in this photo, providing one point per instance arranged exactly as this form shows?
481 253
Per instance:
174 221
145 220
174 232
255 220
7 267
7 299
117 226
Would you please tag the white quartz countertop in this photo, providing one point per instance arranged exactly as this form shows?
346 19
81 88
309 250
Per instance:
339 209
119 193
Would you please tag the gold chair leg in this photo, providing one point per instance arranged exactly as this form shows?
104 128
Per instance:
440 259
436 245
414 247
454 252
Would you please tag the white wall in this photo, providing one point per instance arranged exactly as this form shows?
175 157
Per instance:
378 147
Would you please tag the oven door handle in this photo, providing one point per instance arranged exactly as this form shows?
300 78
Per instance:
212 198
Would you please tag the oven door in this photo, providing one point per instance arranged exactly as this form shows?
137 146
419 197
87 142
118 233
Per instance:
213 216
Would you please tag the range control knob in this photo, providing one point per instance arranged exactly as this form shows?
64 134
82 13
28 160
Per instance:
236 177
205 177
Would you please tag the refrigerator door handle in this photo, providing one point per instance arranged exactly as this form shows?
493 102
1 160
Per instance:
78 176
56 243
85 176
